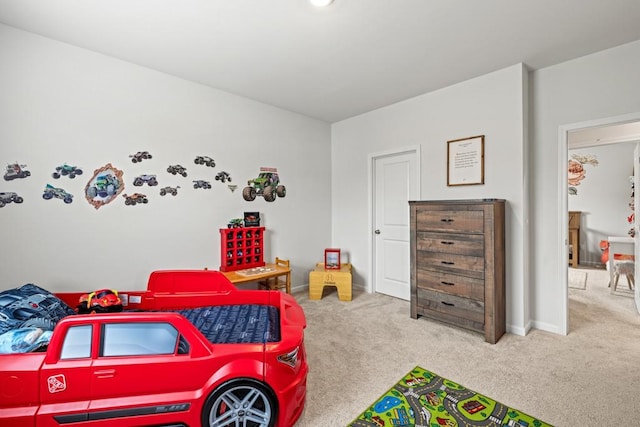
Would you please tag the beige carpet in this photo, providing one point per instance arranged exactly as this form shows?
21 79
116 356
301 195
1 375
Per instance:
591 377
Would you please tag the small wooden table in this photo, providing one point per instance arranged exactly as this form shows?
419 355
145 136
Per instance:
321 277
258 273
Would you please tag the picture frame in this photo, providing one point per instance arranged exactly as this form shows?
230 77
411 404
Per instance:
332 259
252 219
465 161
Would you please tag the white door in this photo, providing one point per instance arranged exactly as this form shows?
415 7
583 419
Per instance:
395 182
636 223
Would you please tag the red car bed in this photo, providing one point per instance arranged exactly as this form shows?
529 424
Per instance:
191 350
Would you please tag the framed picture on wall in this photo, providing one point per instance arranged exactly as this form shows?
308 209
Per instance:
332 259
465 161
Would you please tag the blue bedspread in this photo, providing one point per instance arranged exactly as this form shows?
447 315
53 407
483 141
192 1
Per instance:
235 324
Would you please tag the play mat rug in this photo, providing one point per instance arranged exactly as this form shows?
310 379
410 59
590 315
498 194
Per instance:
423 398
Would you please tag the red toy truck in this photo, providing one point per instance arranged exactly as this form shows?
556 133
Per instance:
191 350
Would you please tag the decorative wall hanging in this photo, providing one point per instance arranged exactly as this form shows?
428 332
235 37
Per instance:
134 199
103 187
8 197
267 185
67 170
16 170
59 193
177 169
465 161
140 156
576 171
205 160
169 190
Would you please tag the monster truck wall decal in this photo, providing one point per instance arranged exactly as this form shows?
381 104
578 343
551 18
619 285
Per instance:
267 185
66 170
103 187
51 192
8 197
16 170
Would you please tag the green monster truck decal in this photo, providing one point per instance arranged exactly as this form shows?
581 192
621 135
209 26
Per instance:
267 185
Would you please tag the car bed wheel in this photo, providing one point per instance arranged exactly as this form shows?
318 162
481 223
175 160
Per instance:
246 403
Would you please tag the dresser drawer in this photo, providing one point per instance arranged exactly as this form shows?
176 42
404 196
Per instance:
451 221
463 265
460 311
451 284
463 244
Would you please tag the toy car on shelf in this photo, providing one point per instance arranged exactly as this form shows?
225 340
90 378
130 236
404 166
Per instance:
267 185
50 192
145 179
135 198
177 169
205 160
104 185
235 223
16 170
8 197
169 190
66 170
140 156
172 357
201 184
223 177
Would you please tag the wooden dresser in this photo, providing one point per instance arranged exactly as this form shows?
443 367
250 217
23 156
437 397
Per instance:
458 263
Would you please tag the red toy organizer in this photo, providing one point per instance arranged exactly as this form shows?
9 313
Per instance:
241 248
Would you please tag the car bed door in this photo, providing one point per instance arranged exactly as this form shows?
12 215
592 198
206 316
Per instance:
66 378
143 367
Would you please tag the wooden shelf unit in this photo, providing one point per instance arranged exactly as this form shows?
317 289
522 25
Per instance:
241 248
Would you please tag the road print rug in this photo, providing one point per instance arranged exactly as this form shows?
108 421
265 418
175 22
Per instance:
423 398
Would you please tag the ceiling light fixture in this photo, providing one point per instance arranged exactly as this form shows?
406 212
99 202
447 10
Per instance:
320 3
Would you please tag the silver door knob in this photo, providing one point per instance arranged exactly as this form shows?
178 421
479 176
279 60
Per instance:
377 231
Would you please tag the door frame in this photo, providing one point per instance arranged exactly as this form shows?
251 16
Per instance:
372 157
563 202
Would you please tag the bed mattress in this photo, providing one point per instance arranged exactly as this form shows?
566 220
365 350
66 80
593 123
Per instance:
236 324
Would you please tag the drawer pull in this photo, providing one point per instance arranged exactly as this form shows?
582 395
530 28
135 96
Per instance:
448 283
447 243
448 304
447 262
446 220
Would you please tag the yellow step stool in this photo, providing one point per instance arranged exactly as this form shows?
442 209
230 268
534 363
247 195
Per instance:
321 277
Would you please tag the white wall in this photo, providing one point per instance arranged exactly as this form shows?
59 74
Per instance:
492 105
61 104
603 197
597 86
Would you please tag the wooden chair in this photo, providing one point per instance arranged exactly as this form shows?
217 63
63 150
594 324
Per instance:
278 282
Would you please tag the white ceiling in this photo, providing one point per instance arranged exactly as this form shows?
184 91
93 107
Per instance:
349 58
